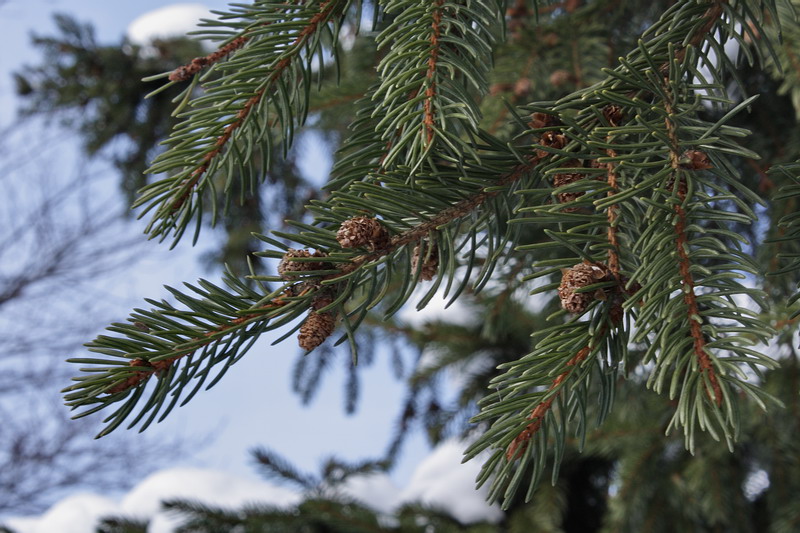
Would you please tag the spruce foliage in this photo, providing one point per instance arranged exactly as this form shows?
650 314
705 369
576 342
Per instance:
596 154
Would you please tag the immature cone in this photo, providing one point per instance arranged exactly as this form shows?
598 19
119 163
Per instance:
429 265
288 265
695 160
363 231
559 180
577 277
543 120
316 328
553 139
613 114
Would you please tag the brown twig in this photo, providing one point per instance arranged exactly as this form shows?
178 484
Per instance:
184 72
430 75
684 263
520 442
156 367
613 250
458 210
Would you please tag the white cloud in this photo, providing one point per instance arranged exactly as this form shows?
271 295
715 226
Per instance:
75 514
209 486
440 480
81 512
175 20
376 491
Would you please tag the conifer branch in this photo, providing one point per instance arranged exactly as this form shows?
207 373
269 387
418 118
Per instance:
446 216
244 112
430 74
152 345
437 62
235 110
520 442
682 245
157 366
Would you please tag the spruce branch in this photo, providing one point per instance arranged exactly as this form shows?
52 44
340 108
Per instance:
219 325
235 115
520 442
437 62
682 245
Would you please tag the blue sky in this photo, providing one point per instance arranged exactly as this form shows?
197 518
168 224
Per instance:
253 405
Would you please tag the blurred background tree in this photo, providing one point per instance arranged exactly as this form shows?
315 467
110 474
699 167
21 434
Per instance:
56 250
629 476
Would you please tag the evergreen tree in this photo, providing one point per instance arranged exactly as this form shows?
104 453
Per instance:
591 153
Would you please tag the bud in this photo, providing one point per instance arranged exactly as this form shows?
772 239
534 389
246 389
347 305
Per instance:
559 180
577 277
430 264
695 160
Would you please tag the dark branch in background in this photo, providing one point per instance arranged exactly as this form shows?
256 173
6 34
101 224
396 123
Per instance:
55 249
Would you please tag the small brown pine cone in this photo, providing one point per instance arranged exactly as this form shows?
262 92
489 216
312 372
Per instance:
363 231
682 188
288 265
613 114
577 277
553 139
316 328
559 180
429 266
543 120
695 160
